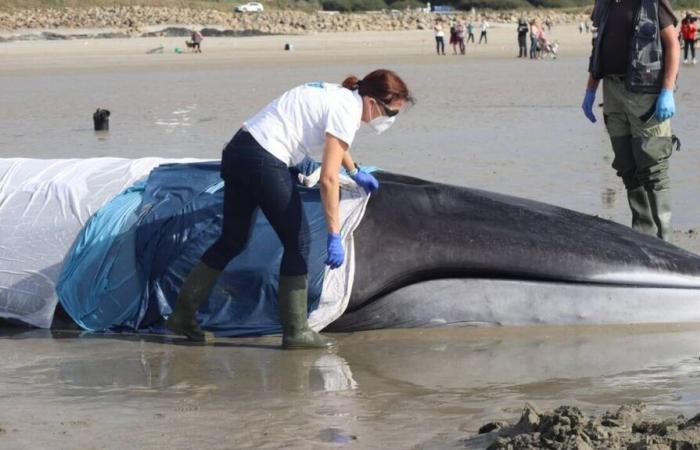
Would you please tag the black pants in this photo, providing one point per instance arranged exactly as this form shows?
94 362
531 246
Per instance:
689 45
470 38
522 44
483 37
440 44
254 178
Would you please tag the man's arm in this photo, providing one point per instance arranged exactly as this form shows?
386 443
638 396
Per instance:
672 56
592 84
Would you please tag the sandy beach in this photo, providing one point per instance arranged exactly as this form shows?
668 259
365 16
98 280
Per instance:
486 120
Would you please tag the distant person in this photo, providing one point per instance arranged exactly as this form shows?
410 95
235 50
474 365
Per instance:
470 32
484 28
688 32
587 25
639 66
534 31
548 24
545 47
439 37
454 42
461 30
594 35
196 39
581 27
522 38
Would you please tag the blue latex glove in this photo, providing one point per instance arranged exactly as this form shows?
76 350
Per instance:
336 252
665 106
587 105
366 180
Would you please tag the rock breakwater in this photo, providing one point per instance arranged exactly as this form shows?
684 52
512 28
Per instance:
141 21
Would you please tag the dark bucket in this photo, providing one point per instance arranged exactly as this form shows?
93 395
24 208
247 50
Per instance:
101 119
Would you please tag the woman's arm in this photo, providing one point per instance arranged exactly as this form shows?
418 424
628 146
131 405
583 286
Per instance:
348 162
334 153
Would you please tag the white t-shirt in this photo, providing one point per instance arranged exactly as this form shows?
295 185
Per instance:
295 124
484 26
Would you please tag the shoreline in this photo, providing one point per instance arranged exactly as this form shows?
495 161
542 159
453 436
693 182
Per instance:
135 21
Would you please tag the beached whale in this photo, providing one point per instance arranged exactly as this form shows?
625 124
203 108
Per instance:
123 234
430 254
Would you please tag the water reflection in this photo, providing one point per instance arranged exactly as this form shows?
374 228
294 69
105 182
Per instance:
597 365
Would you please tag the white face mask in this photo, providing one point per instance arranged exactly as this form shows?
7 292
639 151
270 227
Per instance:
381 123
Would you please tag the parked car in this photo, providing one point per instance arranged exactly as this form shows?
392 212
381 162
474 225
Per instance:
250 7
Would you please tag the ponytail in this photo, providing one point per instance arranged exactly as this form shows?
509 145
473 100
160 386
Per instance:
352 83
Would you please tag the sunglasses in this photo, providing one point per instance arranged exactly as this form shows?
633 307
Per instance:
387 111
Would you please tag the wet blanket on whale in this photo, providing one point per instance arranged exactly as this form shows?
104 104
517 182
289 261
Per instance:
126 267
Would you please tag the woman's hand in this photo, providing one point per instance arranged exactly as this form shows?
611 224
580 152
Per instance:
365 180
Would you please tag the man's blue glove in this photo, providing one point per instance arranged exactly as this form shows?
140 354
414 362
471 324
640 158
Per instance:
587 105
366 180
665 106
336 252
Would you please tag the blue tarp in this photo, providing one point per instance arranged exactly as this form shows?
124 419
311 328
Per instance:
129 262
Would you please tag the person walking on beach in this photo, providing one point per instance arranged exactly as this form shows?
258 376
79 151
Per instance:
534 32
453 38
522 38
637 56
197 39
484 29
439 37
311 119
460 29
470 32
688 32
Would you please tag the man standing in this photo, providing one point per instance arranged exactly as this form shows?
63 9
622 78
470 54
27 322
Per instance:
636 54
470 32
522 38
484 28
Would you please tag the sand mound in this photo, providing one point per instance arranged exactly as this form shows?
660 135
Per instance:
567 428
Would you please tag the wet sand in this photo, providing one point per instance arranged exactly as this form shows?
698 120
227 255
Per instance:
385 389
487 120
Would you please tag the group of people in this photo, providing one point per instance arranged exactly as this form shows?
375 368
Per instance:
540 45
460 35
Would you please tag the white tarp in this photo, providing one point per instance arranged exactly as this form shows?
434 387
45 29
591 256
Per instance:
45 203
43 206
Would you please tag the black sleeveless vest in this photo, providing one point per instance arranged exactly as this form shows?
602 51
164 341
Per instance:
645 66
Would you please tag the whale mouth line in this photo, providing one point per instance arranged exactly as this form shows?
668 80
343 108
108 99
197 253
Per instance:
418 277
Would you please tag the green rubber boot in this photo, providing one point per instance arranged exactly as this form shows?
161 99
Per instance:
292 301
642 219
660 202
195 290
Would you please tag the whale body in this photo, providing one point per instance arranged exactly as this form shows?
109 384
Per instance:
430 254
124 233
